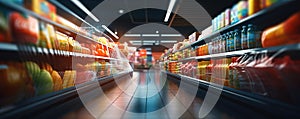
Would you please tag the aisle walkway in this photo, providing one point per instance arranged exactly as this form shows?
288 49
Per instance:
144 96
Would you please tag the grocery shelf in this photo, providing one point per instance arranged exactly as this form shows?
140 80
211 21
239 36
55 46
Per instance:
280 11
16 7
46 51
8 47
254 101
44 102
241 52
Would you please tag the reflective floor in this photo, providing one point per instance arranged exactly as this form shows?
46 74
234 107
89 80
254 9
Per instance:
145 95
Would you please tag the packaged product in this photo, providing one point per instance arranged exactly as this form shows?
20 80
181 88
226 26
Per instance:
234 14
288 32
24 28
42 7
4 26
242 9
227 17
74 46
44 38
254 6
62 41
52 35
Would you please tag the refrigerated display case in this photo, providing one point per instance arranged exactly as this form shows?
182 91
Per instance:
46 60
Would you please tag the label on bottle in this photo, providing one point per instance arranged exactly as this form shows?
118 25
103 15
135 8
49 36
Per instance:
251 39
244 41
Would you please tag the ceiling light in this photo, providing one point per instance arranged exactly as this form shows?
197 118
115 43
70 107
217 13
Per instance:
170 35
149 41
170 8
168 41
121 11
135 41
109 31
132 35
83 8
156 31
150 35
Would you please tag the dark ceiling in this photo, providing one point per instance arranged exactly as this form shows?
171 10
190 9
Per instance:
138 17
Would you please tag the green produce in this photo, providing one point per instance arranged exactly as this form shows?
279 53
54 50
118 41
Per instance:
33 69
44 83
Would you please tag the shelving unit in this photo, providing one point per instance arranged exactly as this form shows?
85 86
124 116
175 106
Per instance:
254 101
291 47
34 104
30 107
46 51
273 100
280 11
58 26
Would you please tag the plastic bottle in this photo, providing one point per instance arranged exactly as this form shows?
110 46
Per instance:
227 42
223 43
251 36
231 41
237 39
244 38
209 70
231 72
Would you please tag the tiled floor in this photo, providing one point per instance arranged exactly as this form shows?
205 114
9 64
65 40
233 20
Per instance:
145 95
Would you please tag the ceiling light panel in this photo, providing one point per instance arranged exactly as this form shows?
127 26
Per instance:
170 35
150 35
132 35
83 8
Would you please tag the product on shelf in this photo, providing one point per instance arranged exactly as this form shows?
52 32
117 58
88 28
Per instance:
74 46
62 41
15 83
254 6
57 81
24 28
4 26
44 36
285 33
242 9
42 78
270 2
42 7
69 78
52 35
69 24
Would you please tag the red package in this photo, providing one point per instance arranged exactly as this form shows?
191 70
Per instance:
25 29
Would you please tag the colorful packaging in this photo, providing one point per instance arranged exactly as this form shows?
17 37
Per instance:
52 35
227 17
25 29
62 41
234 14
42 7
4 26
44 38
254 6
242 9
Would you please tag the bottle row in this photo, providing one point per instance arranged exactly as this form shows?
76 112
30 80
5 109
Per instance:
260 73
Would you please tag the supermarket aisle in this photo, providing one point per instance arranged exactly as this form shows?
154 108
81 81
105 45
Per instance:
145 100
